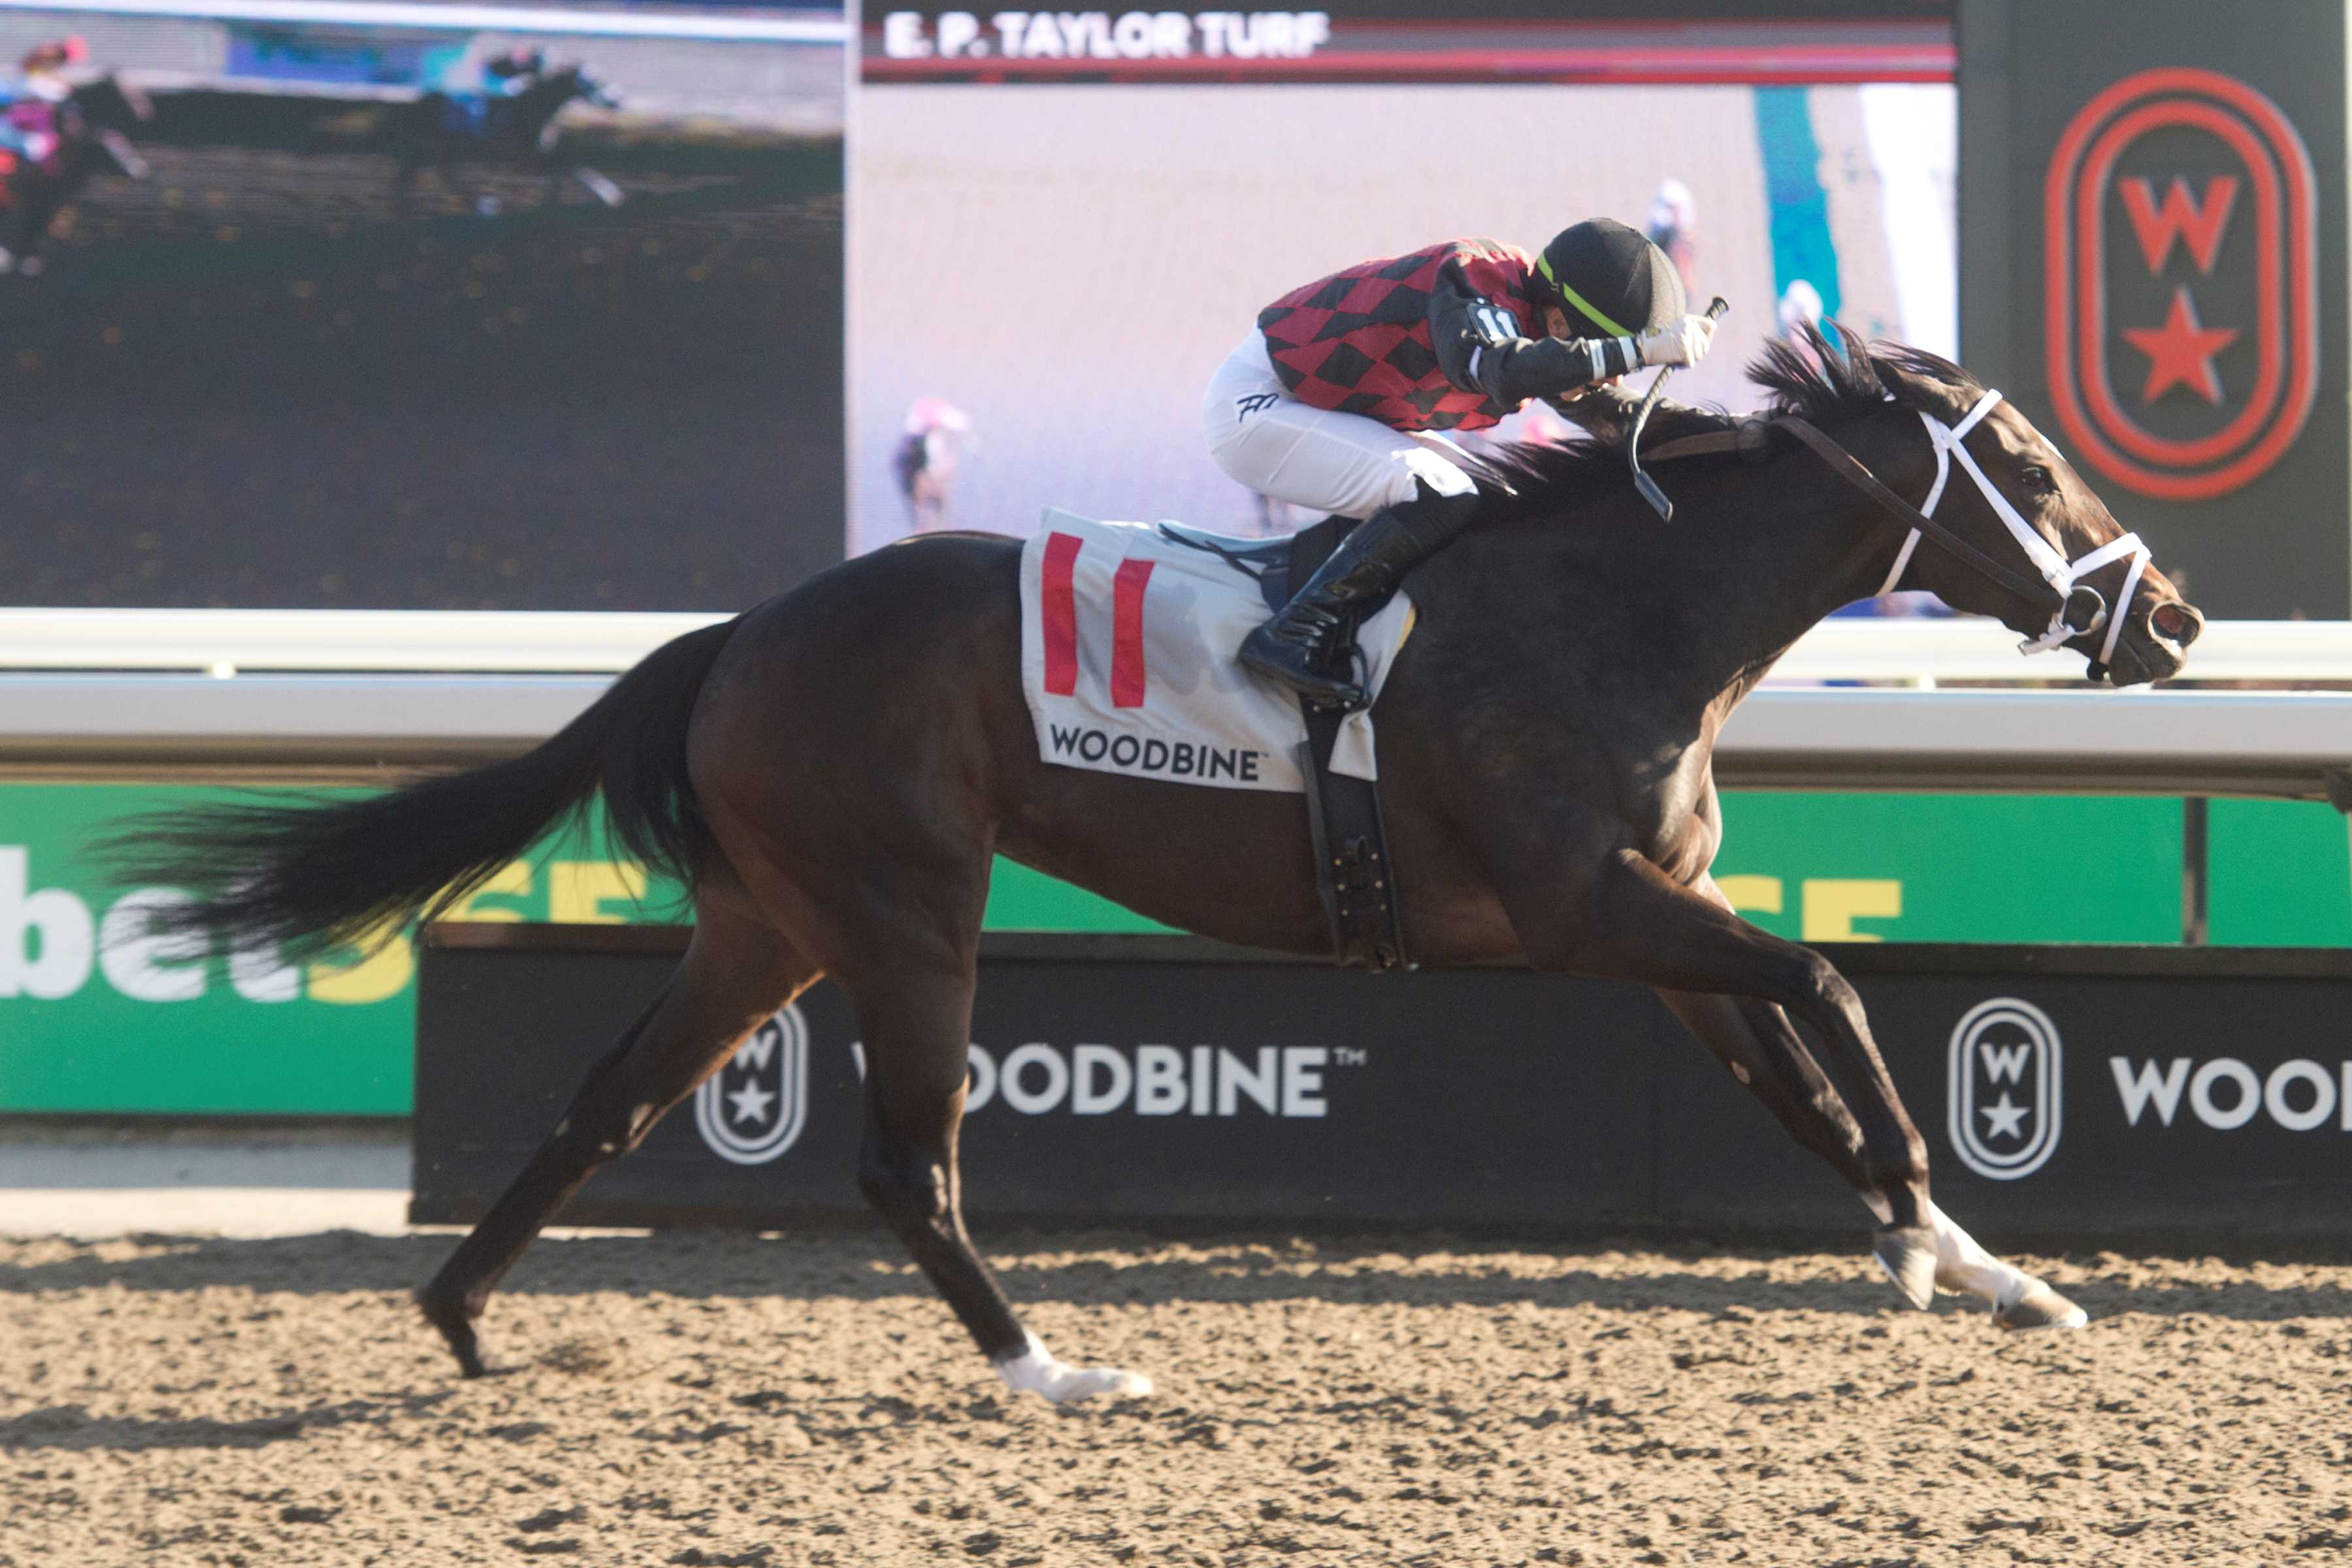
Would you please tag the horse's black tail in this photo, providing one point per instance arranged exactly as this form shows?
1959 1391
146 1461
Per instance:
316 873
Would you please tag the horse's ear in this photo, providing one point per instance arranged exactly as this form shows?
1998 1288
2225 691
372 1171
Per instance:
1914 388
1837 361
1908 385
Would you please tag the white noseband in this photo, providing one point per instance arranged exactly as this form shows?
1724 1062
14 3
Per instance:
2056 570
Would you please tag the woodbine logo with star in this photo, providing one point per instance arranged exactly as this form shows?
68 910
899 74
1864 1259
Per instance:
2003 1100
752 1109
2181 283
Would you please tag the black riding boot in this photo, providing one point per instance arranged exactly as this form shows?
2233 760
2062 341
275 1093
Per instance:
1306 646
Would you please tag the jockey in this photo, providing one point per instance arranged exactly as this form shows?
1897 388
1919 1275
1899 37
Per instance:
42 68
510 73
471 86
1336 400
926 460
28 116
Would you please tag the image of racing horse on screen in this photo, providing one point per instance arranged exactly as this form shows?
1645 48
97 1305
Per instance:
833 772
56 137
504 116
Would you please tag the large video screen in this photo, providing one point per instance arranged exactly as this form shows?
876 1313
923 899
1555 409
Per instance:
533 308
1062 222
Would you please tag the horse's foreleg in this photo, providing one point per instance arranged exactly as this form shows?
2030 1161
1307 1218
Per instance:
2020 1301
1765 1053
602 189
1631 922
732 977
917 1028
125 156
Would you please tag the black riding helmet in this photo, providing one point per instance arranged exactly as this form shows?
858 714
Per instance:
1610 280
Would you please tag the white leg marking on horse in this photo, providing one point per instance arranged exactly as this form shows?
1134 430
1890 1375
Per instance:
1963 1266
1037 1371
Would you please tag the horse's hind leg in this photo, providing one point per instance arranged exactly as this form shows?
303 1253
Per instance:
1764 1052
916 1016
734 974
23 252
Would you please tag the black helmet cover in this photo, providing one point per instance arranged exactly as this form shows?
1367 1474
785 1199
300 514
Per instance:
1610 279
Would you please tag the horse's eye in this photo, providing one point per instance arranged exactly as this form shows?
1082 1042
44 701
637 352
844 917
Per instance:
2036 478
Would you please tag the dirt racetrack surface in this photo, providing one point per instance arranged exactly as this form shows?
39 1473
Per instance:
724 1399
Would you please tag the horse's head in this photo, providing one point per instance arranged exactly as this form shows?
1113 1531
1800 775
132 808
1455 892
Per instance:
1970 458
576 82
110 104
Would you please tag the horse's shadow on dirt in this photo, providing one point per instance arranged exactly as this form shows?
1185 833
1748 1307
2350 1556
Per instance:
72 1429
1114 1269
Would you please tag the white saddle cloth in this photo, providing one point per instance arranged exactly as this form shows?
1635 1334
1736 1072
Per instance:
1128 639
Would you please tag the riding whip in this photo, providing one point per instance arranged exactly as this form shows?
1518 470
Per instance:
1641 482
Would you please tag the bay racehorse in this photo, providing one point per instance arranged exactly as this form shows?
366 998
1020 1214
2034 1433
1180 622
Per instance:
441 133
833 771
90 128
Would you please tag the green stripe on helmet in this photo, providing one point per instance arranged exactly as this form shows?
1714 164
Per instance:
1543 265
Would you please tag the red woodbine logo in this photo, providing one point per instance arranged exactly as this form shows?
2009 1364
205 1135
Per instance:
2176 237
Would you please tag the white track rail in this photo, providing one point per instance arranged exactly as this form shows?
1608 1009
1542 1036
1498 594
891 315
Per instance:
229 642
1970 649
1921 652
327 695
354 727
2288 745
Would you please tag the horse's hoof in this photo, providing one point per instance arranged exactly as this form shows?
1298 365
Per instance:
1907 1252
1077 1383
456 1326
2040 1307
1038 1370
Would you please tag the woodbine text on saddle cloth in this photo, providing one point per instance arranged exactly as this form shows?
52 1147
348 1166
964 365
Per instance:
1126 659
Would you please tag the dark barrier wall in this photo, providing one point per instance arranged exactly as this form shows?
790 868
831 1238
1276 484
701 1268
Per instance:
2082 1093
2152 265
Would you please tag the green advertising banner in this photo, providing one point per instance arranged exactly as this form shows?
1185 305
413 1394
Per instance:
1871 868
1954 867
96 1017
2278 873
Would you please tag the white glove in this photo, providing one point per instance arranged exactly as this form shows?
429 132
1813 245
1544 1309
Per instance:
1678 342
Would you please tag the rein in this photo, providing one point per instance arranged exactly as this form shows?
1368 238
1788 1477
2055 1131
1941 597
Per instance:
2077 609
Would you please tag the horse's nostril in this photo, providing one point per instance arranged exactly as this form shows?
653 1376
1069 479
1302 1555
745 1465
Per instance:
2176 622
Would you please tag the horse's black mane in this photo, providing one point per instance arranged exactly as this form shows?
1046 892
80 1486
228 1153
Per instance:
1825 380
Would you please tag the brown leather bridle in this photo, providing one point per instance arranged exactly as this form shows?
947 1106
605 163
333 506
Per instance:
2075 608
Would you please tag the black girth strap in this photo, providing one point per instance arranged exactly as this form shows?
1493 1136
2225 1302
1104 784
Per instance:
1352 869
1847 466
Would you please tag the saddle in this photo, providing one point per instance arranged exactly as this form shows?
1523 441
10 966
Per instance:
1353 872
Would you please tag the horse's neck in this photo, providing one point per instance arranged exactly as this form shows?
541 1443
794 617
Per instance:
1751 563
1758 556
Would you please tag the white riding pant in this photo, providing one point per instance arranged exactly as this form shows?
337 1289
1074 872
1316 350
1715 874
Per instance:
1317 458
